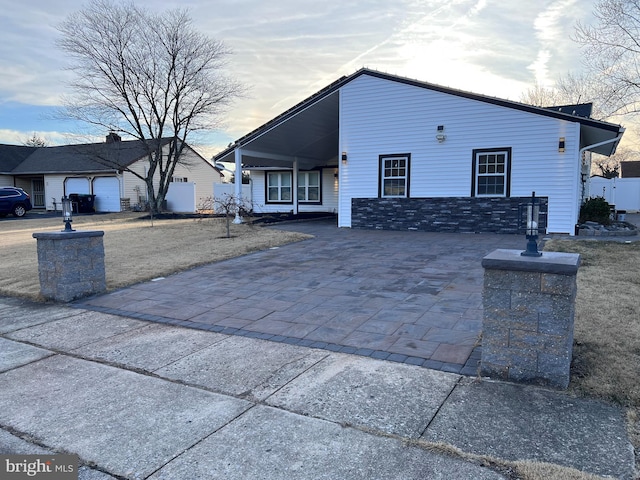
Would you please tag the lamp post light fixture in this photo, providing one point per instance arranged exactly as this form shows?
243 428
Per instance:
532 220
67 214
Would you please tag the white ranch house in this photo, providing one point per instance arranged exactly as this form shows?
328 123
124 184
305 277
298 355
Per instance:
388 152
49 173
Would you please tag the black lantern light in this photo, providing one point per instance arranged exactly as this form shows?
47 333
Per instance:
532 219
67 213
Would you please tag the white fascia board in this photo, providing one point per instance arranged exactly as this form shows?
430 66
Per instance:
272 156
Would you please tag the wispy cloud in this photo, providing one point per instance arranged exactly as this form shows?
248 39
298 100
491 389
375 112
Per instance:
551 33
289 49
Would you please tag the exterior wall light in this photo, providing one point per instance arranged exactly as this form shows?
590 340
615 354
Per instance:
67 214
344 158
561 144
531 218
440 136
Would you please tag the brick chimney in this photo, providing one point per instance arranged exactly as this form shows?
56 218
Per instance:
113 137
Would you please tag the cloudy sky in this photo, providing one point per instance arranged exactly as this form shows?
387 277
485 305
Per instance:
286 50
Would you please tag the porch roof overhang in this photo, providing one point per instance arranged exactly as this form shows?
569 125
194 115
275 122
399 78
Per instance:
309 131
597 139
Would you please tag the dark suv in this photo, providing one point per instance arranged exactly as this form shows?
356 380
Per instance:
14 200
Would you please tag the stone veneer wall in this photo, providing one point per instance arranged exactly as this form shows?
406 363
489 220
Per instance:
70 264
528 315
438 214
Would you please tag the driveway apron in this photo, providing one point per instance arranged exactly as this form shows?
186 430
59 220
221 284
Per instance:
411 297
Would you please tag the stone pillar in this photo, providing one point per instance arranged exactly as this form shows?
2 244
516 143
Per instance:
70 264
529 308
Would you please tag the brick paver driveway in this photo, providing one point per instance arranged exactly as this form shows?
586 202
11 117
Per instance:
411 297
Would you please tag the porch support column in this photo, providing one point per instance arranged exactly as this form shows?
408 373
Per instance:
238 183
294 186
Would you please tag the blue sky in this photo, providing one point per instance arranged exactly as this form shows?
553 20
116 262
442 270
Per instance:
287 50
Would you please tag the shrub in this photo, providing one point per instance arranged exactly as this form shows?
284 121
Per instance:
595 209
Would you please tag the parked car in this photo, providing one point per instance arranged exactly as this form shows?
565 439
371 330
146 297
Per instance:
14 200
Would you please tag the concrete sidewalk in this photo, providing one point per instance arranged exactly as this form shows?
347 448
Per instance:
135 400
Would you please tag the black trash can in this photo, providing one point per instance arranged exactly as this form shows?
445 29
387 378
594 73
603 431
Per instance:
82 202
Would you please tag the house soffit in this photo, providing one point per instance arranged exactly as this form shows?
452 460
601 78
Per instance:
310 136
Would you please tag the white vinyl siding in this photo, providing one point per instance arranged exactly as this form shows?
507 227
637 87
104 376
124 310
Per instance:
53 187
6 181
379 116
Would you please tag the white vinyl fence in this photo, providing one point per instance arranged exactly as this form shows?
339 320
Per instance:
181 197
624 193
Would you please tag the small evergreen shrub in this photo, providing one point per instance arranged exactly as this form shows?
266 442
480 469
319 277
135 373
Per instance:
595 209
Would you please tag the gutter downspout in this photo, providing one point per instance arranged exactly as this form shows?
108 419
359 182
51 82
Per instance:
599 144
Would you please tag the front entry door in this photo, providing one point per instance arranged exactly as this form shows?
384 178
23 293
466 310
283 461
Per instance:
37 187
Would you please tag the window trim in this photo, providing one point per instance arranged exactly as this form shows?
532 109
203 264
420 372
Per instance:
381 177
307 172
266 187
507 174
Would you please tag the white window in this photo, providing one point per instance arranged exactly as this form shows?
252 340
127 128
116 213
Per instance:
279 187
491 173
394 175
309 186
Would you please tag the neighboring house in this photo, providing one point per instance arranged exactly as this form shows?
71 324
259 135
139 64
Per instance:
630 169
11 156
392 153
49 173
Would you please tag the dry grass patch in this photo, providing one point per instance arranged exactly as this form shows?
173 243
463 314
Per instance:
520 469
606 355
607 323
136 249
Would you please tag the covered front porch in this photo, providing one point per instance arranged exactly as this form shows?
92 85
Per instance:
293 160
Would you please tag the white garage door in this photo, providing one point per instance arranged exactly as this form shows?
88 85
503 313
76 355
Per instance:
76 185
107 192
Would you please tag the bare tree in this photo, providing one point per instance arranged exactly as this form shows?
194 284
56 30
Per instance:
228 205
608 168
232 206
150 77
35 141
570 90
540 96
611 54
